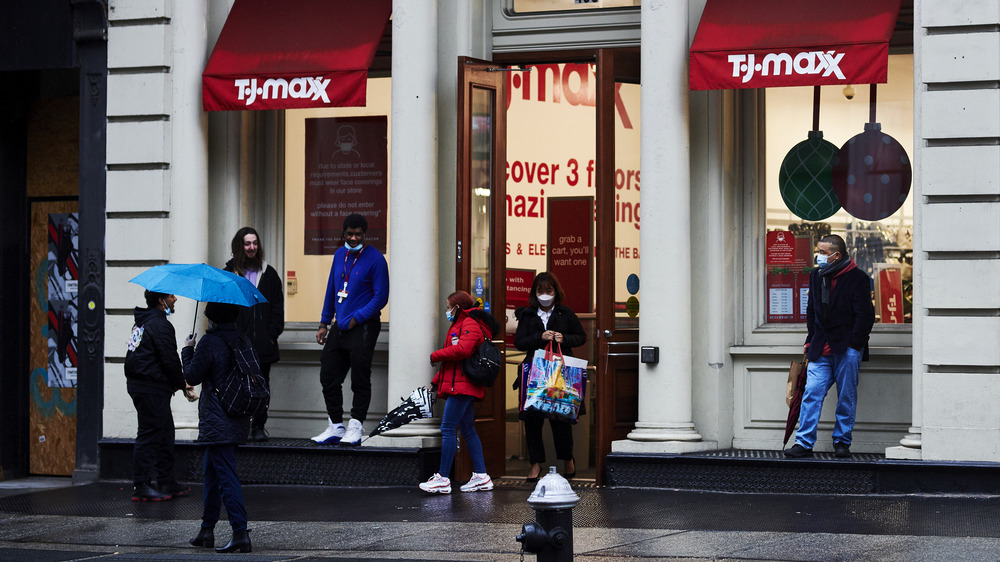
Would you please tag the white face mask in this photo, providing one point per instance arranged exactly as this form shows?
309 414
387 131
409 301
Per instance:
545 300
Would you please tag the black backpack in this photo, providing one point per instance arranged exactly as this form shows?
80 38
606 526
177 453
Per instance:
243 390
483 366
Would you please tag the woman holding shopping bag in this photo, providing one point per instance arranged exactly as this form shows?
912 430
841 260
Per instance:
470 326
543 321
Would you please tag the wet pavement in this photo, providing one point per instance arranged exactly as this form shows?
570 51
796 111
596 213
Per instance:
98 522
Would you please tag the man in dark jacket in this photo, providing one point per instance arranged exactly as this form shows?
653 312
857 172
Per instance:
153 373
839 318
265 321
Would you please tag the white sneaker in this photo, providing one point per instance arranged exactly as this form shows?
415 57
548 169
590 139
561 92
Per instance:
331 435
438 485
478 482
355 431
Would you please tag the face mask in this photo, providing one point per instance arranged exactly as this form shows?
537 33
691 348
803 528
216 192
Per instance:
346 146
167 310
822 260
450 314
353 248
545 300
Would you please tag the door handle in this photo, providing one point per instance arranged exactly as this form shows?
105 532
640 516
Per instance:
608 334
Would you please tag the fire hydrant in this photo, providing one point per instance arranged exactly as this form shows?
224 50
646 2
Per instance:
550 537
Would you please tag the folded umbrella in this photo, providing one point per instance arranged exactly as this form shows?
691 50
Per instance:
417 406
200 282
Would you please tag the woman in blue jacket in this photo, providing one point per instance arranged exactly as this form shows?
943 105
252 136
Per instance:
207 365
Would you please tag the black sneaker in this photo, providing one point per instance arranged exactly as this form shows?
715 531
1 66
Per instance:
797 451
258 434
174 488
841 450
145 492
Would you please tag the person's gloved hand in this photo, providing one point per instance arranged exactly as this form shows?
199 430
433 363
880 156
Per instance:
189 341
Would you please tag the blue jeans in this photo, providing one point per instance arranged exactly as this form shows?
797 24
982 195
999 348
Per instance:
222 484
459 413
841 369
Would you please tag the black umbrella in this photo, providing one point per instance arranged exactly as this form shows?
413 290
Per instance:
417 406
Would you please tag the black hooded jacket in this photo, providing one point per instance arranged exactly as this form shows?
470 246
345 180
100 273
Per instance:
151 363
264 322
207 365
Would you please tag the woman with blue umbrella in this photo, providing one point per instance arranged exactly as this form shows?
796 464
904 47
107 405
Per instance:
208 365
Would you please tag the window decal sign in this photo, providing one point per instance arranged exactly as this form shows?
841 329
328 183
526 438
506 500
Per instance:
346 172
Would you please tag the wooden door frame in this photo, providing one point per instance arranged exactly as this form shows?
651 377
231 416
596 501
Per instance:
474 73
612 65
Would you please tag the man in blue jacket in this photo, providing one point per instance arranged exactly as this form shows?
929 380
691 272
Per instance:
356 292
839 319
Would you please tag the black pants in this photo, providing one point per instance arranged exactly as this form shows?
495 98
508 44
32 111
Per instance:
259 420
223 487
348 350
154 442
562 436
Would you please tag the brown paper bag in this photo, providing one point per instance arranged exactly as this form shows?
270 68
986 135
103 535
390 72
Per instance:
796 370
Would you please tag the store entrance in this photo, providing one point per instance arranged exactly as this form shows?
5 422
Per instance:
563 197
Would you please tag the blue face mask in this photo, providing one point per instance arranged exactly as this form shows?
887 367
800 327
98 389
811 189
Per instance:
450 314
822 260
353 248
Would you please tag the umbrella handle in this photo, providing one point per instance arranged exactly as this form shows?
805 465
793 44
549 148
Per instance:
195 322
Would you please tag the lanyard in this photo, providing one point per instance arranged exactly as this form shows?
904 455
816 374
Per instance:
345 275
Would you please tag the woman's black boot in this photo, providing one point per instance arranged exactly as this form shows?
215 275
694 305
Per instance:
240 542
205 538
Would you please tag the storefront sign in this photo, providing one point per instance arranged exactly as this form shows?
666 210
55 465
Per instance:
890 295
346 172
781 295
571 222
780 248
519 283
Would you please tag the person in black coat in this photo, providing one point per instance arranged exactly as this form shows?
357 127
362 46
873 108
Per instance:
153 374
543 321
839 320
208 365
265 321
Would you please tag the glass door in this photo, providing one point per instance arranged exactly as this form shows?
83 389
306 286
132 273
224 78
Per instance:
481 228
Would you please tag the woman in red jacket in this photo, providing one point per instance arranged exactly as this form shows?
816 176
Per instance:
470 326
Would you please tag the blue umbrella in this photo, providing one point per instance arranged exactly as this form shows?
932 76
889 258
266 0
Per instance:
200 282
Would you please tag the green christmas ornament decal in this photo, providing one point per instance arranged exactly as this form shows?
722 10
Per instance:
805 181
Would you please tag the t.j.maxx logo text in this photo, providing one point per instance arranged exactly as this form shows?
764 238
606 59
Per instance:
574 82
279 88
773 64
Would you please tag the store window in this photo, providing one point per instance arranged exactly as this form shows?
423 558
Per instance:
529 6
336 163
876 223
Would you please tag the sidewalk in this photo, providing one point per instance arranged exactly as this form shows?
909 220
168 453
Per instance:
99 522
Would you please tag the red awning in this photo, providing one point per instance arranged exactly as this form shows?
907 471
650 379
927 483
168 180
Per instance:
753 44
290 54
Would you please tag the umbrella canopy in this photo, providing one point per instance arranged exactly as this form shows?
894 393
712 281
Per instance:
795 405
417 406
200 282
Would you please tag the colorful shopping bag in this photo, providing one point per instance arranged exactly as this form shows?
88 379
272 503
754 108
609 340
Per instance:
556 385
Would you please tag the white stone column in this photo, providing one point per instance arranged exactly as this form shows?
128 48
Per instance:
665 401
188 159
414 302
